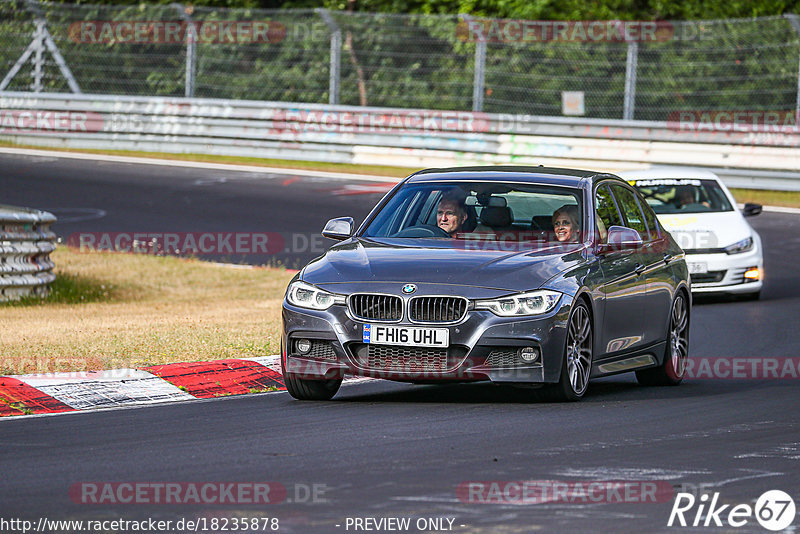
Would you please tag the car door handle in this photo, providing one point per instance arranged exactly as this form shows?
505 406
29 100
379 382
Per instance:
639 268
668 258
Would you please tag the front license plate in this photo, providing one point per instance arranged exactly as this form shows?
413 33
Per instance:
697 268
412 336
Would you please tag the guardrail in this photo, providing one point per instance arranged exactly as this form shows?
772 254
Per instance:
756 157
26 242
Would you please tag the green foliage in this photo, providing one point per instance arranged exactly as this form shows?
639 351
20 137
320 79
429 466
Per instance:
526 9
420 60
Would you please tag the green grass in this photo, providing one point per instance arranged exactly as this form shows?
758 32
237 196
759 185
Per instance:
788 199
115 310
264 390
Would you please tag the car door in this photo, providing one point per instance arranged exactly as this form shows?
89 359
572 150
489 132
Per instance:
624 289
658 273
649 262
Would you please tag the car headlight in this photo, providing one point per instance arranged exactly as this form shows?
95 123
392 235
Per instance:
531 303
741 246
307 296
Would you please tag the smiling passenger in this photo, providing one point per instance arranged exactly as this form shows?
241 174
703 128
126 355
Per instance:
565 223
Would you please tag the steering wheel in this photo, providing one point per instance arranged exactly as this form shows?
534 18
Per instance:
423 230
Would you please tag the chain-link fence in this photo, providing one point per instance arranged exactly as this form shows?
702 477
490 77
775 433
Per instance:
446 62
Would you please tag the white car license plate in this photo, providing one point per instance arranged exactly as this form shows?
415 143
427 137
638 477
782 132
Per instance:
380 334
697 267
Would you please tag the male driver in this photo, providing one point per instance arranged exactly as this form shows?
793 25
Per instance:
451 213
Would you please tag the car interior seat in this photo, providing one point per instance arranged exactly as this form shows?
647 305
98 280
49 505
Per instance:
497 217
542 223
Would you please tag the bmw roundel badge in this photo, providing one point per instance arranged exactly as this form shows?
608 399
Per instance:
409 288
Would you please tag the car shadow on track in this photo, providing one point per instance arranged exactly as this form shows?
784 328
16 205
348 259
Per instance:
610 389
700 300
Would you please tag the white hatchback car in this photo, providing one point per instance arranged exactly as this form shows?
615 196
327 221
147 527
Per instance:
723 251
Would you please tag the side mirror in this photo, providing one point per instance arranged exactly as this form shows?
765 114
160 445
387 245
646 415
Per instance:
621 238
338 229
751 209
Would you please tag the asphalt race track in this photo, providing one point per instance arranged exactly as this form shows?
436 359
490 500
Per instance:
382 450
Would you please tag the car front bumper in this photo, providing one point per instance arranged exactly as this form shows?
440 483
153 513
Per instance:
725 272
482 346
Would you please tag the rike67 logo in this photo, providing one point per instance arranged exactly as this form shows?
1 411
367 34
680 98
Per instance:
774 510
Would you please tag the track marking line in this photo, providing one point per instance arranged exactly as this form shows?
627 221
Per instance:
195 164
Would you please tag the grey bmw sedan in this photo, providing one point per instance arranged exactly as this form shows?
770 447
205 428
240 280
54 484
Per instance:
533 276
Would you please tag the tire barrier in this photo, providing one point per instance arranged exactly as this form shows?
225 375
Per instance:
26 242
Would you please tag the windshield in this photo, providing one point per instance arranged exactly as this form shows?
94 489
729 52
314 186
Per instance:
683 195
491 211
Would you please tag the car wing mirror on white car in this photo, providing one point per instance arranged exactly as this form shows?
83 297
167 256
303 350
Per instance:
751 209
338 229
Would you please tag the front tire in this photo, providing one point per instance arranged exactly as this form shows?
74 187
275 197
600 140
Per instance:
306 389
576 365
673 368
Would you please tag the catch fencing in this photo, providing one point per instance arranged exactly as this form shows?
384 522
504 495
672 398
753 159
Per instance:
26 242
594 69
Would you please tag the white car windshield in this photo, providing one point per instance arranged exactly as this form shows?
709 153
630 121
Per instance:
668 195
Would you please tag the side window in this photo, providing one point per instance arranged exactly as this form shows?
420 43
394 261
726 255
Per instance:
607 214
650 219
427 212
630 209
408 213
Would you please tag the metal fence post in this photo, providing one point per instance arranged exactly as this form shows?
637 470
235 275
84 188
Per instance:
38 56
479 79
631 63
191 49
793 20
336 55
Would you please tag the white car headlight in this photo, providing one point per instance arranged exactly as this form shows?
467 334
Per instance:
741 246
307 296
521 304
